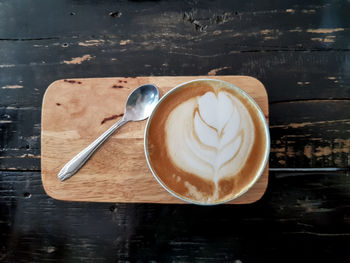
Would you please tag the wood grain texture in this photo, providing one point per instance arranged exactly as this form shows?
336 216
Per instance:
307 213
312 86
76 111
295 47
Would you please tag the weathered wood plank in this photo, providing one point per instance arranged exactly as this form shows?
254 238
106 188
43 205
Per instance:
298 49
290 72
286 75
309 215
20 138
241 38
288 24
303 134
310 133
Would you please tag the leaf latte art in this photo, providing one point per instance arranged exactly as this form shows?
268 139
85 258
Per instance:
209 136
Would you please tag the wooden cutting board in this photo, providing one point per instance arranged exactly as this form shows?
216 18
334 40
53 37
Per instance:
76 111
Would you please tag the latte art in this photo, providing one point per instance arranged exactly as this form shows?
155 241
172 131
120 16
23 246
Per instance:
206 142
206 136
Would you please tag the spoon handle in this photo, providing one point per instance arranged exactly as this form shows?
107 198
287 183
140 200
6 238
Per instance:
80 159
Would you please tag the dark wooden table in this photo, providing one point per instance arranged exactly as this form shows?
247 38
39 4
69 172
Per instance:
300 50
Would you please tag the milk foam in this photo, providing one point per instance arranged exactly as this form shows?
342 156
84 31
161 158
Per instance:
210 136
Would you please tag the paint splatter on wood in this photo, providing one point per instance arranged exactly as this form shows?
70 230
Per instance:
92 43
303 82
297 29
7 65
124 42
308 123
12 87
327 39
323 151
308 11
266 31
324 30
308 151
78 60
214 71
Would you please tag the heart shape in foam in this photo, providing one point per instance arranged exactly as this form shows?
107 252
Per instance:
217 120
215 110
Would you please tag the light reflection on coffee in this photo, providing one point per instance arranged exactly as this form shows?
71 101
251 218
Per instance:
206 142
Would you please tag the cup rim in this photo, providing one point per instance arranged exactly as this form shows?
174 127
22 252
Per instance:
261 117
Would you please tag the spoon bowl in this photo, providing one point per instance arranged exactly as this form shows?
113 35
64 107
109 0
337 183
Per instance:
141 102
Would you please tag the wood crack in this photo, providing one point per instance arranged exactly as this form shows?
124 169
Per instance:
309 100
318 234
296 125
29 39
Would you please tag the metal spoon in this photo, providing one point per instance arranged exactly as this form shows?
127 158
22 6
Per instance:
139 106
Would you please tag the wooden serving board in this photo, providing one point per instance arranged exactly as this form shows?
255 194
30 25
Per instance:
76 111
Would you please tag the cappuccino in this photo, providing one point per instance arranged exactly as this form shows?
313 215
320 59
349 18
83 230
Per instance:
206 142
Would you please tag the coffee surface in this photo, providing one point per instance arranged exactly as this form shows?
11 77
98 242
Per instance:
206 142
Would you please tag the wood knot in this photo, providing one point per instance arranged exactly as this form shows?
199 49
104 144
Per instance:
115 14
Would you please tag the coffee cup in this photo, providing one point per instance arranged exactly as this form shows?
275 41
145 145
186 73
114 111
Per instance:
207 142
